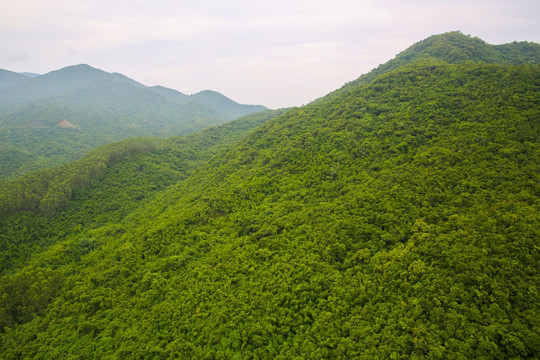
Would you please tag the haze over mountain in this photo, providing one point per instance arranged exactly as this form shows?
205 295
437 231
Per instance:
29 74
10 78
397 217
101 106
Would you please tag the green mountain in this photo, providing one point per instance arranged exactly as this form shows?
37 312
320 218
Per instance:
54 83
171 94
218 102
58 117
454 48
397 218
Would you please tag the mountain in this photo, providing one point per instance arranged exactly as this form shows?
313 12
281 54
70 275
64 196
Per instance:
454 48
102 107
71 78
54 83
396 219
218 102
10 78
171 94
29 74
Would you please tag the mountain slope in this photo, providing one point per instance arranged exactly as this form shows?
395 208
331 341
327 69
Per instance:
10 78
171 94
396 220
330 231
30 74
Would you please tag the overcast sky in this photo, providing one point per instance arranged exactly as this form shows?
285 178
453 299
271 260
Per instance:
277 53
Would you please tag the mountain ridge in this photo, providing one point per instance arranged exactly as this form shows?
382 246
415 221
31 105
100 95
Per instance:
81 74
455 47
10 78
452 47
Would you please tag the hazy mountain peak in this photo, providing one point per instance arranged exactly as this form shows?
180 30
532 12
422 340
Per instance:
10 78
76 74
79 66
77 69
83 73
29 75
170 94
166 89
207 92
215 100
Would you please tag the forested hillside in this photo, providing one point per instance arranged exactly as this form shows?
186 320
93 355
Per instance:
109 173
58 117
396 219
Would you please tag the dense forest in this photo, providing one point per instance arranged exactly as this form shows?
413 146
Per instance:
155 163
396 218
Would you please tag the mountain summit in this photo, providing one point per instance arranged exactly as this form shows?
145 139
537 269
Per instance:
454 48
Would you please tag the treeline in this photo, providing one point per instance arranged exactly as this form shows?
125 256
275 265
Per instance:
48 190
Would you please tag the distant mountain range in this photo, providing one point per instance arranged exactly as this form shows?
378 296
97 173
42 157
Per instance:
101 106
20 90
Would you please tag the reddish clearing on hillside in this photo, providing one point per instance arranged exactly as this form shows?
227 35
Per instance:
64 123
